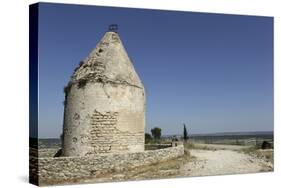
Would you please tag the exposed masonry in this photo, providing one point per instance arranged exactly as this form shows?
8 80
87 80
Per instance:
92 69
104 103
95 77
62 169
106 138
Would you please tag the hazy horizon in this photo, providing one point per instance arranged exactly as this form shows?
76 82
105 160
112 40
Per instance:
214 133
213 72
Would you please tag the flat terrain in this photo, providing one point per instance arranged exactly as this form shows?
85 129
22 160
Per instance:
221 147
219 162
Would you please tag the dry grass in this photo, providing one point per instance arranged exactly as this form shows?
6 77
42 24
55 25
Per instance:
189 145
266 154
165 169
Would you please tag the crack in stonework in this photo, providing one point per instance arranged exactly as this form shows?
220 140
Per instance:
94 78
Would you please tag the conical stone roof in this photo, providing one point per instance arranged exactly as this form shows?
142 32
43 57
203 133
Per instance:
108 63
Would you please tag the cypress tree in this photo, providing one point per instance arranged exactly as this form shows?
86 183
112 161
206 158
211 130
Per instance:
185 137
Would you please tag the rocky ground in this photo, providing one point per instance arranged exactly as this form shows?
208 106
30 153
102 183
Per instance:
201 160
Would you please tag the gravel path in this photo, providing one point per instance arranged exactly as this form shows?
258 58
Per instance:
218 162
222 146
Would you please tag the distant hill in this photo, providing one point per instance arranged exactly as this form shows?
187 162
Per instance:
229 134
236 133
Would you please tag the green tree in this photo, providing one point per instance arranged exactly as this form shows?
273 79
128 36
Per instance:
148 138
156 132
185 134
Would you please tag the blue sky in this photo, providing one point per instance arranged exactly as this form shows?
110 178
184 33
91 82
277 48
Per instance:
213 72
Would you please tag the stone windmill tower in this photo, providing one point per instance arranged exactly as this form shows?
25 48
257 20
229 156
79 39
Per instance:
104 103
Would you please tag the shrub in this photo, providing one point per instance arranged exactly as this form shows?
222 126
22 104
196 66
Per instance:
148 138
156 132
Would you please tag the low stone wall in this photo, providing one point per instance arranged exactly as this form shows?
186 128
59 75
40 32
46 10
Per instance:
156 146
61 169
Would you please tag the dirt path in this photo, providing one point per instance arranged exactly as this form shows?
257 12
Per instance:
222 146
222 161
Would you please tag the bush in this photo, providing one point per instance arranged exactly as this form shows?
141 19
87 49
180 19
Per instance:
156 132
148 138
266 145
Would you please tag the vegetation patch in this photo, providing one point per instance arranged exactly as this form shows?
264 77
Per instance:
189 145
265 154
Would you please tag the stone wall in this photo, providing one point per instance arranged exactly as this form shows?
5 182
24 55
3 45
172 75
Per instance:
106 138
103 131
62 169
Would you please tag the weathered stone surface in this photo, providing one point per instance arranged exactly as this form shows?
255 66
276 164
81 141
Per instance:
61 169
104 103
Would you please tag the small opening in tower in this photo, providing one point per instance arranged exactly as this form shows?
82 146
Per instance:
100 50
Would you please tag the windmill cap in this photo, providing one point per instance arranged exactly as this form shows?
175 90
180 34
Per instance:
113 27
